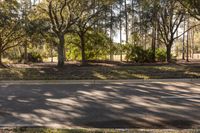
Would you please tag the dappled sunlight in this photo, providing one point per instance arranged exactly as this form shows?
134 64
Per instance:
99 75
64 101
173 86
10 98
140 76
167 68
131 105
194 74
100 64
5 85
48 94
18 74
73 72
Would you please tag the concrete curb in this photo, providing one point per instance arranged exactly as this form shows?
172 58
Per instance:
145 81
37 82
47 82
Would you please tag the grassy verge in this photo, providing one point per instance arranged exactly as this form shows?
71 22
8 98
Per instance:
44 130
100 72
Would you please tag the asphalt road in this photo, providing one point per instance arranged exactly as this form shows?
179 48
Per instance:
101 105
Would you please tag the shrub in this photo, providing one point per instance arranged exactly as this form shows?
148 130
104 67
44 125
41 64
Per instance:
138 54
149 56
161 55
33 57
135 53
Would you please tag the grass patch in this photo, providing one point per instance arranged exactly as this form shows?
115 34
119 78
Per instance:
101 72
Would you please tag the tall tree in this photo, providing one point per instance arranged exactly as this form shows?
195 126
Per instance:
183 47
170 18
89 14
126 20
188 32
153 6
120 28
10 26
61 16
26 6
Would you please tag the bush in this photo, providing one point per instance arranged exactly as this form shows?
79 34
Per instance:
33 57
149 56
138 54
161 55
135 53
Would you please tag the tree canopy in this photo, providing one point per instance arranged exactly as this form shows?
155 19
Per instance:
98 28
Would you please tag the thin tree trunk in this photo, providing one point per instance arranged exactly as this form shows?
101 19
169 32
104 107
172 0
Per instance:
61 51
188 25
105 22
145 41
51 55
153 46
132 21
177 51
158 42
121 53
111 30
140 25
126 20
193 34
94 4
191 44
83 49
25 53
183 53
154 34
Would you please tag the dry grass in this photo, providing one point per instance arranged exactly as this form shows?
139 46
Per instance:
101 71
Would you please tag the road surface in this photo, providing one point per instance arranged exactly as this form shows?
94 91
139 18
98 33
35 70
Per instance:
96 104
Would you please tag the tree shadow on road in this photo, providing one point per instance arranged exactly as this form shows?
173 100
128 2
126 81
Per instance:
140 105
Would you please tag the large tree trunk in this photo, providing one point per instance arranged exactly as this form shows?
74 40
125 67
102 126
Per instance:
64 52
61 58
169 46
82 39
1 60
1 63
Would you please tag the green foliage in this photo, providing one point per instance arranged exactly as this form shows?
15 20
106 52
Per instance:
149 55
138 54
10 26
193 7
33 57
98 45
96 48
12 54
73 52
45 25
161 55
